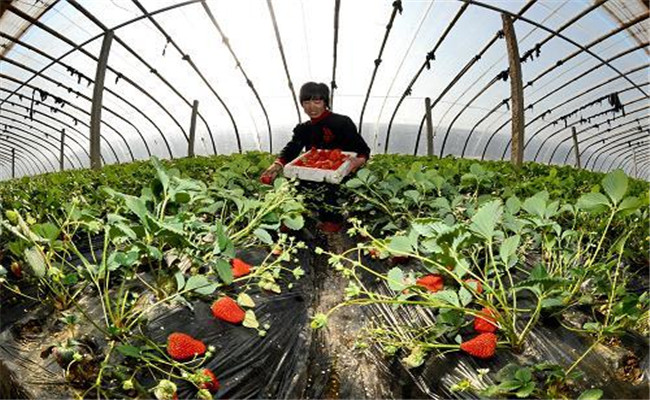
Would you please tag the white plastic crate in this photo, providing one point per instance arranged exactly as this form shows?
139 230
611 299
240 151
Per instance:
319 175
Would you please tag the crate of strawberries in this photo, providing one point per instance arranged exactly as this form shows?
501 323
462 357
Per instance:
321 165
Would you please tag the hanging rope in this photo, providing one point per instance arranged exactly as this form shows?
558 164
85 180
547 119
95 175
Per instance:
337 10
284 60
397 7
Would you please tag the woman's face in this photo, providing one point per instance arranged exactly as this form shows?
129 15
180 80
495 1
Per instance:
313 108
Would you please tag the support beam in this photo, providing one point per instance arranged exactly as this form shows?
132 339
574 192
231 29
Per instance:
190 144
427 110
13 163
61 166
96 110
636 171
516 91
575 146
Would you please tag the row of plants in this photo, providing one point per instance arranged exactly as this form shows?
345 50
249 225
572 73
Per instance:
176 242
486 265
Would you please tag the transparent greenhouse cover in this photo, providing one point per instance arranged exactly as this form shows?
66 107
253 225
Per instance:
205 51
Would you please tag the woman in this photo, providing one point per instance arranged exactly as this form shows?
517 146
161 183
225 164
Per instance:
324 130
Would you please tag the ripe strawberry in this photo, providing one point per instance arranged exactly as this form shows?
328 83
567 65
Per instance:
239 268
432 282
181 346
228 310
486 323
481 346
213 385
479 288
266 179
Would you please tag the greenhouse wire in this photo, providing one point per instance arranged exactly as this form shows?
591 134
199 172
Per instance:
627 152
606 143
278 39
430 56
47 78
14 141
581 121
601 84
491 67
34 143
397 7
629 158
85 137
335 45
13 126
239 65
529 139
643 163
81 110
108 90
80 48
616 141
56 134
33 168
504 74
559 63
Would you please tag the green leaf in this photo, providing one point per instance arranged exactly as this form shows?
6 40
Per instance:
250 320
161 173
136 205
47 231
129 351
224 271
615 185
354 183
591 394
508 248
245 300
295 222
465 295
35 261
508 386
396 279
523 375
630 204
400 244
180 280
513 205
485 220
448 296
507 373
536 205
200 284
526 390
263 235
593 202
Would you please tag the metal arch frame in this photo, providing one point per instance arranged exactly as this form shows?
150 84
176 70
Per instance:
75 118
45 144
623 153
23 171
74 106
617 142
608 130
578 122
621 150
108 90
462 72
612 139
248 81
585 73
530 138
13 141
38 137
642 159
32 170
430 56
138 87
548 38
65 124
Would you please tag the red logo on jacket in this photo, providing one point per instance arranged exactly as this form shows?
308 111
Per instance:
328 136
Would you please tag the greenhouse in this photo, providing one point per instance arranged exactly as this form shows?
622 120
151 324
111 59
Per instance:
339 199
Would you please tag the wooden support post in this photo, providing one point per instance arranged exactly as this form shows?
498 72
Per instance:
427 110
516 92
96 108
190 145
636 170
575 146
61 150
13 163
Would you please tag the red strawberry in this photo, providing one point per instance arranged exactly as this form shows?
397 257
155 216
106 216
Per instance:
481 346
266 179
485 323
239 268
479 288
213 385
181 346
16 270
432 282
228 310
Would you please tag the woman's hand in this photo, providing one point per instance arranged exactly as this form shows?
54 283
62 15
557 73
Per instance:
357 162
271 173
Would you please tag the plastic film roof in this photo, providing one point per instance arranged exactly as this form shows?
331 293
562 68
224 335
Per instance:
584 66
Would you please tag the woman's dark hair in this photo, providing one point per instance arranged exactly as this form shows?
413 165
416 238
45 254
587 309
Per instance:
315 91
